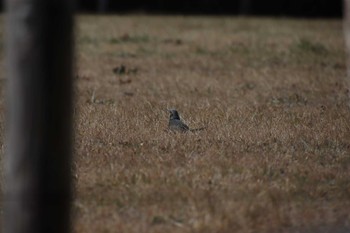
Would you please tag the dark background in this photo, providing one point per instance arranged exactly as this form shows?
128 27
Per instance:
294 8
291 8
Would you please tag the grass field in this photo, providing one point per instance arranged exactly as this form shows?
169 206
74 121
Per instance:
275 156
273 95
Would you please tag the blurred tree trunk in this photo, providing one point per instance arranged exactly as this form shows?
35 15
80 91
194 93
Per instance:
245 7
37 190
102 6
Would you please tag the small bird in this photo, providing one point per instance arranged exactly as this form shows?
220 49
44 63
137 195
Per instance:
175 123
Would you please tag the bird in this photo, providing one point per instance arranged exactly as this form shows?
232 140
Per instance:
176 125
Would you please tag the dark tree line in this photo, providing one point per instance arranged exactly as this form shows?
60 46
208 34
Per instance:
300 8
295 8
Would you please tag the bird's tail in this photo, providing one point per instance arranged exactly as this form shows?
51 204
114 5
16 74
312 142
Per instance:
198 129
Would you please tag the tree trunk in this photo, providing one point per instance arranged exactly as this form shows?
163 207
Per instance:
37 190
245 7
102 6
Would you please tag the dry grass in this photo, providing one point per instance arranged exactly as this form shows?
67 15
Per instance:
275 156
272 92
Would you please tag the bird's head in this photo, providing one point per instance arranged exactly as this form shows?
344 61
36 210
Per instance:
174 114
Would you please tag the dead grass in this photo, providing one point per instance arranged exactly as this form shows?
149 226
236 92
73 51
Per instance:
275 155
